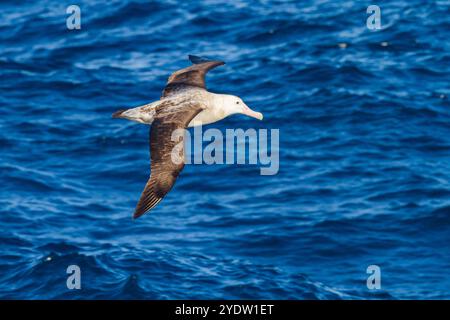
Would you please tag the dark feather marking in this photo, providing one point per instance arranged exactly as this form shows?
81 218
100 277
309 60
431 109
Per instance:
193 76
164 171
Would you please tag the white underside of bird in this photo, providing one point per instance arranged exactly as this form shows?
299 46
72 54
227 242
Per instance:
216 108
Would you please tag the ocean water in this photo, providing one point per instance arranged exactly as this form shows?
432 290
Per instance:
364 151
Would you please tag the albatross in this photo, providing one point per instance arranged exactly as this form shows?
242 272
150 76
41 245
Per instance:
185 102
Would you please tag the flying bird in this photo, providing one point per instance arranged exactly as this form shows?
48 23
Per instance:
185 102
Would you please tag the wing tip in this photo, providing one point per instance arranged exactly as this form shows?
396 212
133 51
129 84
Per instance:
148 201
141 211
198 60
136 215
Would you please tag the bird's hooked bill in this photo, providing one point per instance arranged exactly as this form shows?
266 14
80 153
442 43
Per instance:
249 112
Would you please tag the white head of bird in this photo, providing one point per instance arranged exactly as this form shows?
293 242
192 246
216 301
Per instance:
232 104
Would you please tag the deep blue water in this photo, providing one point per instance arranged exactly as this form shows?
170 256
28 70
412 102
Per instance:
364 124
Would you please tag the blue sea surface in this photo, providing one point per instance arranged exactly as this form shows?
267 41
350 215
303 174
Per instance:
364 169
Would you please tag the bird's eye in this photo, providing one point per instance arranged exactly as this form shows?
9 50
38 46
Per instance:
237 102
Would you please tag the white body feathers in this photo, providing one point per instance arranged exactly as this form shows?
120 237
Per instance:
217 107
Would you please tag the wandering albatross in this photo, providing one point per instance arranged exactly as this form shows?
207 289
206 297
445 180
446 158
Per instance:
185 102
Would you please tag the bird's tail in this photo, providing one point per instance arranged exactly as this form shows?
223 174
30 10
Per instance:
118 114
141 114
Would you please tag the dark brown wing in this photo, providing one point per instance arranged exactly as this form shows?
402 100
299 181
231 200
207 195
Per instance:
193 76
167 156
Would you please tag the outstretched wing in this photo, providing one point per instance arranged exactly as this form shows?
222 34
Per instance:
193 76
167 154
